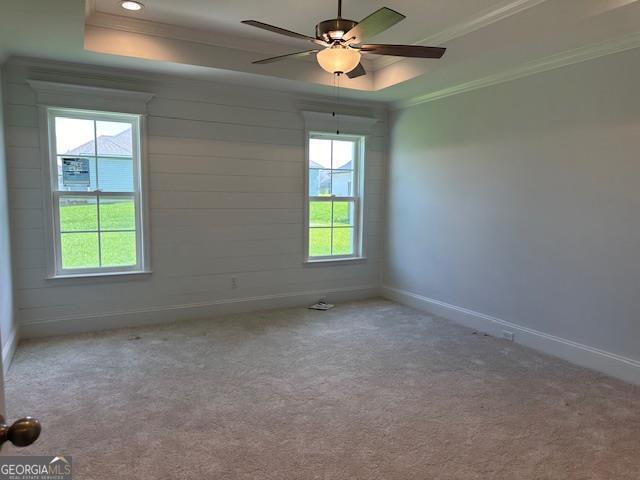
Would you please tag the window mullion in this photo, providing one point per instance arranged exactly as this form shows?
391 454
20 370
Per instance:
99 234
331 228
95 150
331 171
116 194
357 225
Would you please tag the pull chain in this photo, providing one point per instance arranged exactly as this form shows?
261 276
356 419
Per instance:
336 86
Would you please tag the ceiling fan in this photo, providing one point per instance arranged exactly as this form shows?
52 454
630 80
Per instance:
339 42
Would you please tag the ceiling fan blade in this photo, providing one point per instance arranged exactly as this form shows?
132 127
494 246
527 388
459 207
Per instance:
404 50
374 24
283 31
282 57
357 72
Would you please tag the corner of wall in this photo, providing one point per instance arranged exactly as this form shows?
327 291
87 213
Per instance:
609 363
8 321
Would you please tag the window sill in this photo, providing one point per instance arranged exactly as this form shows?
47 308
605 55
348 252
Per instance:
98 274
325 261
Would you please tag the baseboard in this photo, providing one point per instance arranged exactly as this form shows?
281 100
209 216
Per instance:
624 368
172 313
8 349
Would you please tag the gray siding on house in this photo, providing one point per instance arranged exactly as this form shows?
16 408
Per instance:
114 165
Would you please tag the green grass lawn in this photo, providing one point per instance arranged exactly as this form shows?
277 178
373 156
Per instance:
84 247
321 242
81 247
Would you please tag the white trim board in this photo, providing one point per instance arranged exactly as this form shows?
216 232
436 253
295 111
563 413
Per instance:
624 368
9 349
551 62
66 95
174 313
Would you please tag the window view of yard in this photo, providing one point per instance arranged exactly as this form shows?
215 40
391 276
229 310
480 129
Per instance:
332 197
95 193
84 246
322 237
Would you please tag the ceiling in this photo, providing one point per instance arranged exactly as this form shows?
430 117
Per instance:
224 16
486 40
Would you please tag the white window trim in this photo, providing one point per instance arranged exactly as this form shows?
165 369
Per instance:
99 99
54 267
350 125
358 199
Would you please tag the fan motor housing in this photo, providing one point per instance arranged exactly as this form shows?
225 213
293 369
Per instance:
325 29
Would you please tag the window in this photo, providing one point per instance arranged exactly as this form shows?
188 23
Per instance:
96 192
334 206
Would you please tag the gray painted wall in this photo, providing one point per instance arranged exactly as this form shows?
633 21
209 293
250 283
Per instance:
522 201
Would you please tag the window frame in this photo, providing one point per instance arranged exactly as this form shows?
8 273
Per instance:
53 194
357 198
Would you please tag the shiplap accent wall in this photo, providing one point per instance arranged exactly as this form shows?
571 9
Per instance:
226 196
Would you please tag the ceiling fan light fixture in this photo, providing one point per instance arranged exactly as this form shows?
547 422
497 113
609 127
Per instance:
344 39
131 5
338 59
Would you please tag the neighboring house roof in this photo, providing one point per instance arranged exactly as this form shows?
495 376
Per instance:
108 145
313 164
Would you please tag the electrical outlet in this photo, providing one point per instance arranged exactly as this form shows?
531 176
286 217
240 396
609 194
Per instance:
507 335
234 282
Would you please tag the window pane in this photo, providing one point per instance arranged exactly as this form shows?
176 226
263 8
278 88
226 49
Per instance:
343 214
319 153
342 241
114 139
343 154
115 174
320 214
118 248
80 250
319 183
342 183
76 174
75 136
319 242
117 214
78 214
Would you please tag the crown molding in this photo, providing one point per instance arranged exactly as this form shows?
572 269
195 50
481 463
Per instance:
485 18
568 57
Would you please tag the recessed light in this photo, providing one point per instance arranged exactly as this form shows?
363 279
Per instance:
131 5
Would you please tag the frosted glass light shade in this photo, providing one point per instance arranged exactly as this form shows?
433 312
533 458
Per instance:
338 59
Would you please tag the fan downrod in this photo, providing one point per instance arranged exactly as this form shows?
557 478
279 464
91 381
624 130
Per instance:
334 29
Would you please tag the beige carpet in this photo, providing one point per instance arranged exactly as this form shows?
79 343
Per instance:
370 390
